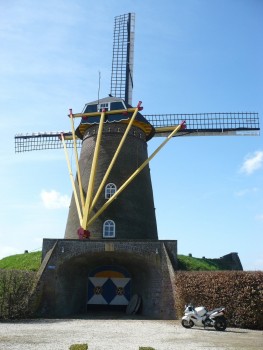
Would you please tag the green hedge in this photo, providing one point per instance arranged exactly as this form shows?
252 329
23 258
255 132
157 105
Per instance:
239 291
15 287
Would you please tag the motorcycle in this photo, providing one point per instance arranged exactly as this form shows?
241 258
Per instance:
199 316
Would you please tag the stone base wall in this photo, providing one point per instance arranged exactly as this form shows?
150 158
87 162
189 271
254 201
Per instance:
64 275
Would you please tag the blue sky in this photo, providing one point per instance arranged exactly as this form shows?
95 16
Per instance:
191 56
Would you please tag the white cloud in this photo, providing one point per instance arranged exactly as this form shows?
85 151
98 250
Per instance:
259 217
246 191
252 163
54 200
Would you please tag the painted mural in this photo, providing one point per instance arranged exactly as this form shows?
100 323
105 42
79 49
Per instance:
109 285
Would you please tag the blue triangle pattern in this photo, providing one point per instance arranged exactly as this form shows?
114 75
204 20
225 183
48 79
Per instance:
109 290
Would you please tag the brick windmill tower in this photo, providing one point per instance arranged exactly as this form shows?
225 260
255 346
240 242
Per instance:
121 149
110 254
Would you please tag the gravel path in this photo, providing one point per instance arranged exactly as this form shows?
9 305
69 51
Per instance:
122 334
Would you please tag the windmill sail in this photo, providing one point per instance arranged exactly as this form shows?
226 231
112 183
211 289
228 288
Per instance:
38 141
200 124
123 57
207 124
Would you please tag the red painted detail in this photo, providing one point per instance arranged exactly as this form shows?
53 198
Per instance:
83 234
183 125
139 106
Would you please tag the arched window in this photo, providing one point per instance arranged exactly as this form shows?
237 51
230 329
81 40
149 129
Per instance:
110 189
109 229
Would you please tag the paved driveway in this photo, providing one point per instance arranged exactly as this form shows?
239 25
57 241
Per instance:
122 334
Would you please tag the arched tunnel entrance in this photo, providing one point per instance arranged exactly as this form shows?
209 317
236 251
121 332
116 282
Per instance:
94 282
82 276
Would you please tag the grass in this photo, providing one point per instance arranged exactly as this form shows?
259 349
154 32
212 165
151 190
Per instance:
32 261
26 261
188 263
78 347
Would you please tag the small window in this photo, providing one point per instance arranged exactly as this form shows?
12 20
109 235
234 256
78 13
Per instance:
109 229
102 106
110 189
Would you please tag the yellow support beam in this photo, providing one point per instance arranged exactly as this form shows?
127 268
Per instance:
164 129
97 114
115 156
70 137
111 199
77 160
93 173
71 179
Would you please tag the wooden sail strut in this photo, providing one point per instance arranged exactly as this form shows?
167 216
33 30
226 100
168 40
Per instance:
90 201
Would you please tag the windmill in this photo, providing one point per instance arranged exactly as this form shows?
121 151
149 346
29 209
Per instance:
112 193
111 254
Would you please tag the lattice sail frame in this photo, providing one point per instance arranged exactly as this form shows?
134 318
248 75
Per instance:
200 124
42 141
123 57
207 124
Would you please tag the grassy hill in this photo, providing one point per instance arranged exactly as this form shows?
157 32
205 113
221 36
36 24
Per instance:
26 261
189 263
32 261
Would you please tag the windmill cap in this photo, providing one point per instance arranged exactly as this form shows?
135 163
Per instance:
91 116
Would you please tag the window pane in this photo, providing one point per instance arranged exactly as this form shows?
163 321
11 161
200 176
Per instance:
110 189
109 228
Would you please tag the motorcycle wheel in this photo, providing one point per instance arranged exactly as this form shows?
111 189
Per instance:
187 324
220 324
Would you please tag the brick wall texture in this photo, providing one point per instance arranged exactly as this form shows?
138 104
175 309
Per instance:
133 210
62 284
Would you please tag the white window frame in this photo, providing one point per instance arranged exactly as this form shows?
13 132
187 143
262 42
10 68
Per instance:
109 229
110 189
106 106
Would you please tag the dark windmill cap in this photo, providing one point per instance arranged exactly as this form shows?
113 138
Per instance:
111 104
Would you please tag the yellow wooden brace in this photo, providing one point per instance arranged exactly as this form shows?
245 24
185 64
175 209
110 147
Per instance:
96 114
136 172
93 173
77 160
71 178
115 156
